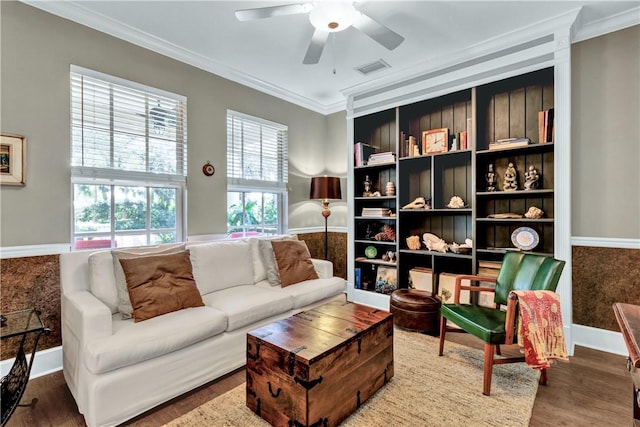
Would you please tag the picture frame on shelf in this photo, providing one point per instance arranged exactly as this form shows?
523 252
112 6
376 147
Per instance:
386 279
435 141
12 159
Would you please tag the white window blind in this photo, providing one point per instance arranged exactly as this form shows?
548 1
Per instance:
257 153
125 131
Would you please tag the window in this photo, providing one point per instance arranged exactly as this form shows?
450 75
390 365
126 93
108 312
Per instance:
128 162
257 172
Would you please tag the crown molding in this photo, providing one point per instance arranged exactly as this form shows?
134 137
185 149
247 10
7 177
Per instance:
606 25
83 16
605 242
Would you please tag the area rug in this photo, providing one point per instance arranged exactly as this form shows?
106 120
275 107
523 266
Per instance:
426 390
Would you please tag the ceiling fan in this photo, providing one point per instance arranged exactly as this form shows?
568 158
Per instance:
327 17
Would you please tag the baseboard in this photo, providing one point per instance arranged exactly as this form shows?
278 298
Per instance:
599 339
47 361
34 250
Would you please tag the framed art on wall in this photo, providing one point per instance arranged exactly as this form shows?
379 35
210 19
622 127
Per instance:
12 159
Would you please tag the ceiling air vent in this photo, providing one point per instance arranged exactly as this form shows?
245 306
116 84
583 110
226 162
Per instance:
374 66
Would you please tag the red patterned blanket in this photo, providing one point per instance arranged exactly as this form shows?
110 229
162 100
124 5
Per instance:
540 328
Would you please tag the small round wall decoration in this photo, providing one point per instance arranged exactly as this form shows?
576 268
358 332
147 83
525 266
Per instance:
208 169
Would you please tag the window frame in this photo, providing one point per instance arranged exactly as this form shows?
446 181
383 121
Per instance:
113 177
243 185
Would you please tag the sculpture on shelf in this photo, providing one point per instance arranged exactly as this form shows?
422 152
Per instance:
456 202
367 186
390 189
388 234
413 242
510 181
531 178
434 243
534 213
491 178
418 203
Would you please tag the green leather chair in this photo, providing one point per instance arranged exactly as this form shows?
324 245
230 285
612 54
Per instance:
519 271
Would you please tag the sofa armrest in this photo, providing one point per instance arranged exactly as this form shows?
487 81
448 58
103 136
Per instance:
85 316
323 267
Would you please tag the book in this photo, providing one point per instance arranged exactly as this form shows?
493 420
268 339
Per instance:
362 153
378 158
546 122
376 212
357 279
502 144
469 132
422 278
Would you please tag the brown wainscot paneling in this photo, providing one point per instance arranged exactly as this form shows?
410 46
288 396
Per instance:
600 277
31 282
337 249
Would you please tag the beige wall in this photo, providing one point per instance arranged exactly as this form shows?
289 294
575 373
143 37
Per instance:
37 49
605 136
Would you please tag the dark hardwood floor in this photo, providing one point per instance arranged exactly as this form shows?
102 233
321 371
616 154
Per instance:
592 389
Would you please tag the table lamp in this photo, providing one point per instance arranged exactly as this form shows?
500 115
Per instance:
325 188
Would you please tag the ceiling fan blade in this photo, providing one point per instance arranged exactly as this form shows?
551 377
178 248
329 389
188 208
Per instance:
380 33
268 12
316 45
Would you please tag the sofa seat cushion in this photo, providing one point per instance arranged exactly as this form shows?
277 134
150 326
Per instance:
133 343
310 291
245 305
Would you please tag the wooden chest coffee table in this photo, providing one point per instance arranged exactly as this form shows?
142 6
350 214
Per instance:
319 366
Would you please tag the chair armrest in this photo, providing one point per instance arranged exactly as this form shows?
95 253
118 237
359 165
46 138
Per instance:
473 278
323 267
510 320
85 316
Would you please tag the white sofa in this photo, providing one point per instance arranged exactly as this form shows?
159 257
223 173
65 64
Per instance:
117 369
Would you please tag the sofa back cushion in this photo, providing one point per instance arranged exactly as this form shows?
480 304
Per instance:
294 261
160 284
222 264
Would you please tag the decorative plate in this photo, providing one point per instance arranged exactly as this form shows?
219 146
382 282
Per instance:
371 251
208 169
525 238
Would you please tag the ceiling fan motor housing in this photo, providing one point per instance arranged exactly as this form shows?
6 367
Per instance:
333 16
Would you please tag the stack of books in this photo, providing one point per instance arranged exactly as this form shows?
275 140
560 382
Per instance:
546 126
502 144
381 158
376 212
362 153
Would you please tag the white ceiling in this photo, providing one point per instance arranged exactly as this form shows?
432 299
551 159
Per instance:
267 54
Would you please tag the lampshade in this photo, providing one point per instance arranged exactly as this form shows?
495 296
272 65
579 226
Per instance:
325 187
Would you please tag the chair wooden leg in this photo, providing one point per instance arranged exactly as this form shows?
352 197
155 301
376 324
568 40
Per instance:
489 349
498 351
543 376
443 331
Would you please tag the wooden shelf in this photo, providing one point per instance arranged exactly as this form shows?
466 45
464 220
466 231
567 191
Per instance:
533 148
375 217
376 166
516 193
375 261
434 253
375 242
446 211
374 198
517 220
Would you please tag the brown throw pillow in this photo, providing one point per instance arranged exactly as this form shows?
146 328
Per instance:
160 284
294 261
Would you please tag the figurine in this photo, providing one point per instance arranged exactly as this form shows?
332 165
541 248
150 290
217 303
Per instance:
491 179
413 242
367 186
510 182
388 234
531 179
456 202
534 213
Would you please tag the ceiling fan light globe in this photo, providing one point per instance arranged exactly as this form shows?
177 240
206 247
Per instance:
333 16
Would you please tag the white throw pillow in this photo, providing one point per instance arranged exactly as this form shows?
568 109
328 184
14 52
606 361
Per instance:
259 264
269 260
222 264
124 302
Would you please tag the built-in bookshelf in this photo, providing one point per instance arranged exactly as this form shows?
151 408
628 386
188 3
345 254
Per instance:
487 127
